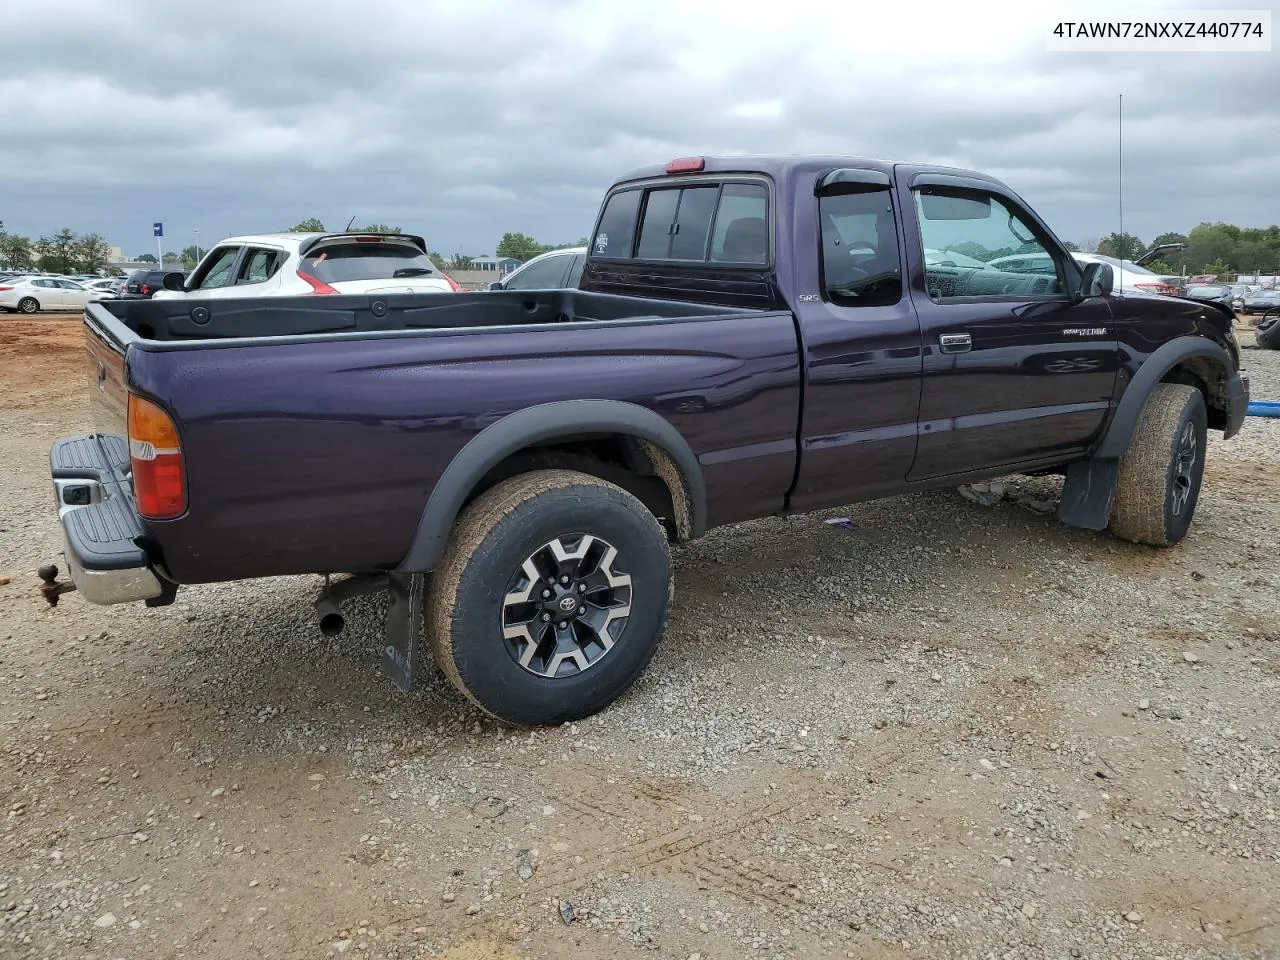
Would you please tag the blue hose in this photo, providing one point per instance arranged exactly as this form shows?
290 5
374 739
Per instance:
1264 408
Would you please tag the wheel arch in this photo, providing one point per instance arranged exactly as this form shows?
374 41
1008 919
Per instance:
620 442
1195 361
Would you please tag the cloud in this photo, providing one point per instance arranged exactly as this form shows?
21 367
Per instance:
463 121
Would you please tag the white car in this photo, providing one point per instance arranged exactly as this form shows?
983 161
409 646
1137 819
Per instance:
33 294
1129 277
292 264
553 270
103 288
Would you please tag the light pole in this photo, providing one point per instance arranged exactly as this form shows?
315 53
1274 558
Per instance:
197 233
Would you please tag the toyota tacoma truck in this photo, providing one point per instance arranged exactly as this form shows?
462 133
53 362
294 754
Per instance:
750 336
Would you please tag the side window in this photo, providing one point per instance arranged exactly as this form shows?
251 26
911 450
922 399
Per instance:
546 274
575 272
977 246
617 228
259 265
217 271
861 260
742 225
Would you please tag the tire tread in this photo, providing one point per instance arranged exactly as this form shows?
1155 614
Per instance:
1138 510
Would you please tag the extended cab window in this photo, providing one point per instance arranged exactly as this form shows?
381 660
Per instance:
861 262
975 245
699 222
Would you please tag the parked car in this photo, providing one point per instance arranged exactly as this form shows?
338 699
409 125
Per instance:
1217 293
1267 335
33 294
1260 302
1129 277
750 337
144 284
554 270
291 264
103 288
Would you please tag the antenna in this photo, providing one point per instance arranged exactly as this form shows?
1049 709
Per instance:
1120 183
349 223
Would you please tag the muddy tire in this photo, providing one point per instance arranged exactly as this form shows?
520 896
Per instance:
1158 485
550 598
28 305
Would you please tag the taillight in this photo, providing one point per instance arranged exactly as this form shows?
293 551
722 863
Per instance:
146 289
317 286
159 478
5 288
1164 289
453 285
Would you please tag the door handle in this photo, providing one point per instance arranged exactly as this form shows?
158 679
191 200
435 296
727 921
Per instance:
955 342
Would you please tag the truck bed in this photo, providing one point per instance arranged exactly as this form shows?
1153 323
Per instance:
315 428
186 320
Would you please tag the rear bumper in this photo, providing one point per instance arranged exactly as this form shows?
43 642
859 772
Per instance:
1237 403
101 534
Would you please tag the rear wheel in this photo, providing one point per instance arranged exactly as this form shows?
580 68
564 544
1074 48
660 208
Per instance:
551 597
1158 485
28 305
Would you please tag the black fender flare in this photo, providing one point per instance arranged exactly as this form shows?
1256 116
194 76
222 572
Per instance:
1153 369
1090 484
560 420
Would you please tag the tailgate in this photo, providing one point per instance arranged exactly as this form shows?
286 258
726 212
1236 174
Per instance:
108 393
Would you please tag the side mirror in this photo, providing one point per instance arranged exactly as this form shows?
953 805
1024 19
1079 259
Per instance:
175 280
1098 281
496 285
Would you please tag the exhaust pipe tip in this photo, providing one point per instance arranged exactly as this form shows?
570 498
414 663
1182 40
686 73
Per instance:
332 621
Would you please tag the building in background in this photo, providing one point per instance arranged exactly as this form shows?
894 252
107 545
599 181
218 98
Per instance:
499 265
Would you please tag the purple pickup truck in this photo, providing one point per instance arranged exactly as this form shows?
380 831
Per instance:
751 336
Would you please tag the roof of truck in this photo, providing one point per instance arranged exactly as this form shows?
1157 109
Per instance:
776 165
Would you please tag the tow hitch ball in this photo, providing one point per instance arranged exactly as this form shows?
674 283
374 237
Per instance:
51 588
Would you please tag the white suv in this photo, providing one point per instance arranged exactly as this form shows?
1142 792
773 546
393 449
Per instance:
290 264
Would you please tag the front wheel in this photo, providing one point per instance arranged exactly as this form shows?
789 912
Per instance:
1158 485
28 305
551 597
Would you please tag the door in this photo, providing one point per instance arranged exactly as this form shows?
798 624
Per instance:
861 341
73 294
48 293
1017 371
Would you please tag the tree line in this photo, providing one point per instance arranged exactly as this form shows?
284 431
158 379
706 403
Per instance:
61 252
1222 249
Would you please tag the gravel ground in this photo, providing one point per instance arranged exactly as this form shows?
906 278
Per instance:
943 729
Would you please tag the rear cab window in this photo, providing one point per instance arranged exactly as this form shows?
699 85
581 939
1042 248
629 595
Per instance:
721 220
341 260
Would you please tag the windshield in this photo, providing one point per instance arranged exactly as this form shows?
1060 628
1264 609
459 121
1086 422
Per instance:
336 262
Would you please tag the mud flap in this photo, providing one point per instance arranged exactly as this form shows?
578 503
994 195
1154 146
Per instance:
404 628
1086 496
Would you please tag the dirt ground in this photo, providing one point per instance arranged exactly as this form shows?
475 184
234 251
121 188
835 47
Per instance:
941 729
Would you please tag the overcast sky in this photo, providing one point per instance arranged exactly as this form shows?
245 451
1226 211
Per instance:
461 121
